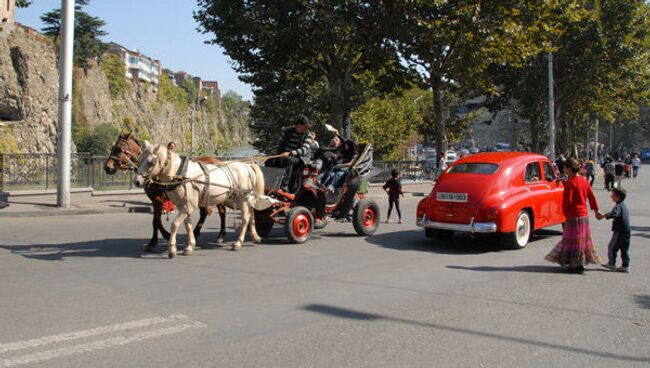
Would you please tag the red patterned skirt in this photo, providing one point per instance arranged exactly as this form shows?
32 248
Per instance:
576 247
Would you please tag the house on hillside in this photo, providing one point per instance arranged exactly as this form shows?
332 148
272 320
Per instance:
139 67
212 89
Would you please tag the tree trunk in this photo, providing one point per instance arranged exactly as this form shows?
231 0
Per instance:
535 142
339 117
439 120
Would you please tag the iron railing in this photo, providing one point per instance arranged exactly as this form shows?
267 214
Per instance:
38 171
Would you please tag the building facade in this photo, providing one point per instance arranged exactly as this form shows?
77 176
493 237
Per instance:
7 9
212 89
138 66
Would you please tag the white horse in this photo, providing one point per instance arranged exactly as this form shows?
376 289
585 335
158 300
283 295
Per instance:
240 184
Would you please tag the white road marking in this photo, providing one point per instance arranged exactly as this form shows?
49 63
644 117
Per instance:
18 345
98 345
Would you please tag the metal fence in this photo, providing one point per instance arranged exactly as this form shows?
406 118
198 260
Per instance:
38 171
409 170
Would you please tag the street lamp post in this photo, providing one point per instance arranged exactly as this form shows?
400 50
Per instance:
64 139
551 109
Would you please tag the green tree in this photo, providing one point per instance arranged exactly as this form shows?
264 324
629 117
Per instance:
192 93
390 122
115 71
323 48
24 3
87 32
601 52
451 44
100 141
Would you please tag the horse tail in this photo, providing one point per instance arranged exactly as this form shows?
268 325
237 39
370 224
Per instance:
259 179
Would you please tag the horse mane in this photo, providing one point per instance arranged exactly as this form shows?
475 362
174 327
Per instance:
206 160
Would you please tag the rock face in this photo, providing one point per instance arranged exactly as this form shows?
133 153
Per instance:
28 90
29 93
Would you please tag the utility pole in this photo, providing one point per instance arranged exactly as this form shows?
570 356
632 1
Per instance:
64 139
192 129
611 136
551 109
597 144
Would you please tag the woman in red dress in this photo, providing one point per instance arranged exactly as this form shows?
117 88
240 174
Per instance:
576 249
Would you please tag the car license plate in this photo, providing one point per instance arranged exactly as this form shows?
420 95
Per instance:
451 197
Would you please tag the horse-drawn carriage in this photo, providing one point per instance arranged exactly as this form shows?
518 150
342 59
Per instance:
313 205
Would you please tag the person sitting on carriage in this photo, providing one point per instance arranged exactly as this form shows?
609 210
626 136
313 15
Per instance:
294 149
338 157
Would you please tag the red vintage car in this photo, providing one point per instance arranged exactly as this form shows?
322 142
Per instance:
507 193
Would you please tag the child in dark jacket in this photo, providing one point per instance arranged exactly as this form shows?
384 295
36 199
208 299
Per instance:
621 232
394 189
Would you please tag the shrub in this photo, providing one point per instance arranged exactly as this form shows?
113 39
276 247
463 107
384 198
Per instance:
115 71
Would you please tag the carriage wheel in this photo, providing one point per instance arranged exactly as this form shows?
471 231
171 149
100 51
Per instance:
263 222
365 217
299 225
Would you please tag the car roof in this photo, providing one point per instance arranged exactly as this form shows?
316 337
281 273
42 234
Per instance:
505 158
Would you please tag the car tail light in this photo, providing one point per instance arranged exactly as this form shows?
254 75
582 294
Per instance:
491 215
420 211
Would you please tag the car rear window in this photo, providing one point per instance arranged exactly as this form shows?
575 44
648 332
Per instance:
474 168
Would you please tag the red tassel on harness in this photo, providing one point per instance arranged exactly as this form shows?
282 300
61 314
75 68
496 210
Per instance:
168 206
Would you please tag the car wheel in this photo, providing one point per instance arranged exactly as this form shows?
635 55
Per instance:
365 217
523 230
299 225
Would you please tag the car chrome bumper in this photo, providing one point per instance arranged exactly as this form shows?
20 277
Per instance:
472 227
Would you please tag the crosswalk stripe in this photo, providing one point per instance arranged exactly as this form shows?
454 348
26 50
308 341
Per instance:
97 345
18 345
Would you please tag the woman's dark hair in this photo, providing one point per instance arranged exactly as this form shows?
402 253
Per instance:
394 173
574 165
620 193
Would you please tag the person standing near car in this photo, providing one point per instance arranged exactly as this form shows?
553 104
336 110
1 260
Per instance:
576 249
441 164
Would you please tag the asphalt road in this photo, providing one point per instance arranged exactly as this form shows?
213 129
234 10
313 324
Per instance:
76 291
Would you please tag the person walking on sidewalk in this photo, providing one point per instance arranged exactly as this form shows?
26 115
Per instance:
394 189
608 168
621 232
636 165
619 172
590 171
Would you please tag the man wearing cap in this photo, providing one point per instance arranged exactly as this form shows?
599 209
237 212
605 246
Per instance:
294 148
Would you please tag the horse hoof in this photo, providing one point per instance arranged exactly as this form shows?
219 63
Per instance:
220 240
236 246
187 252
171 255
257 240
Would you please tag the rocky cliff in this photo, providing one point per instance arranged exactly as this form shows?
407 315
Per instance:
28 104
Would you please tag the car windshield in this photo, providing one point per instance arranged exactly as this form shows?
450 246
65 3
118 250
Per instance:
474 168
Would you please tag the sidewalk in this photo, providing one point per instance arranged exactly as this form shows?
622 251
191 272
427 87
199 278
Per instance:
130 201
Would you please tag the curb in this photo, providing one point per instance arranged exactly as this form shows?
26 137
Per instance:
75 211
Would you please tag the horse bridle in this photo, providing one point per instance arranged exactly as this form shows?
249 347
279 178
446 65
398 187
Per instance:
125 154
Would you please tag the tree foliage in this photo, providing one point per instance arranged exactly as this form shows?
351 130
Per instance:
333 54
115 71
601 52
100 141
390 122
87 32
451 44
